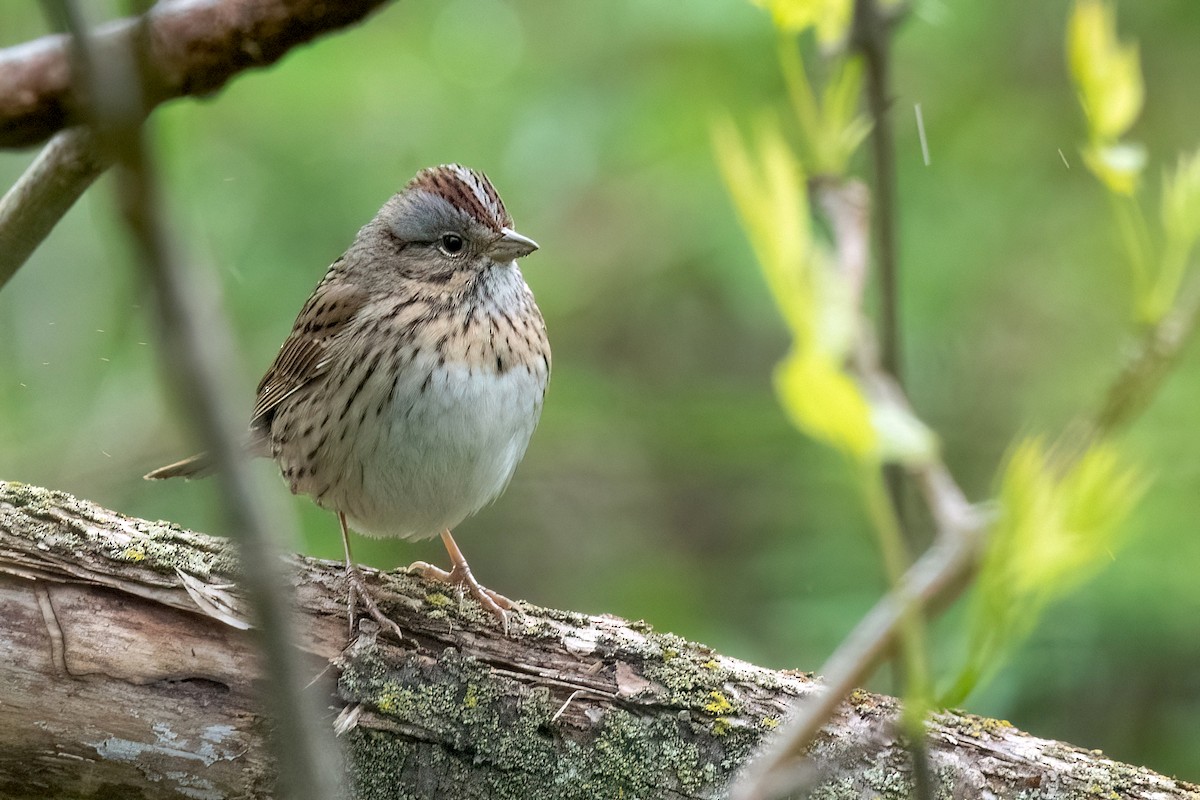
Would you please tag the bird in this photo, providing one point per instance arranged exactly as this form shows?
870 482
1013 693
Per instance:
412 380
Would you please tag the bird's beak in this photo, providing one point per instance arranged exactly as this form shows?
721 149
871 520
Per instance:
511 245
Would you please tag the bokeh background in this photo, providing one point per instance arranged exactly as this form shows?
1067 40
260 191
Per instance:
664 483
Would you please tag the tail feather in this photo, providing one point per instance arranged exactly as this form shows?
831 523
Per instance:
198 466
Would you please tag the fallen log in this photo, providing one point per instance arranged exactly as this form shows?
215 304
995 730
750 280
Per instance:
126 670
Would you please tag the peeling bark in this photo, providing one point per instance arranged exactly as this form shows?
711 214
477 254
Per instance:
115 683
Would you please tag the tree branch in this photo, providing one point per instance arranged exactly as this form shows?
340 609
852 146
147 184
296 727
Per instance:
194 48
61 173
115 676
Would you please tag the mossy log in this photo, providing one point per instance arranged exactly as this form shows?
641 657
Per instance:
124 674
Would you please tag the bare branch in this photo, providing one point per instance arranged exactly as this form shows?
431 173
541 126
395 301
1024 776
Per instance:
34 205
936 578
193 48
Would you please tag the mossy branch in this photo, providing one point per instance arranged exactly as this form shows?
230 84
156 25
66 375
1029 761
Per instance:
115 678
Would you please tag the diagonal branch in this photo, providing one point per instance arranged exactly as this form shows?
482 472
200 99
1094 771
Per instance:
61 173
193 48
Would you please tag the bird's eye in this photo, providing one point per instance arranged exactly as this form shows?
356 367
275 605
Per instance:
452 243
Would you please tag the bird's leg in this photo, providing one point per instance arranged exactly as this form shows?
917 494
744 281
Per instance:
358 589
460 576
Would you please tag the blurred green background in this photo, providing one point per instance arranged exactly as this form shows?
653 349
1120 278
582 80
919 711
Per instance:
664 483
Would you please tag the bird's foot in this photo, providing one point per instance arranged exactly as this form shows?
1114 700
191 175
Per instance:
358 590
461 578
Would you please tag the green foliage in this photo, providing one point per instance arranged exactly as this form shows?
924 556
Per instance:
1057 521
814 300
1107 74
1181 228
1060 518
1108 80
1057 525
826 403
772 203
1181 202
832 128
829 18
820 305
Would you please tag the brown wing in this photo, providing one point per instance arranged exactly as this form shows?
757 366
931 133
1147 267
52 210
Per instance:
304 355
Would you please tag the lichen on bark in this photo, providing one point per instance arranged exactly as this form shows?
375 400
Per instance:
486 734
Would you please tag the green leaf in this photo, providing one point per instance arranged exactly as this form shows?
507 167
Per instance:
1181 198
1107 74
848 127
817 303
830 18
832 129
772 204
1181 203
903 437
825 403
1118 166
1181 229
1057 525
770 195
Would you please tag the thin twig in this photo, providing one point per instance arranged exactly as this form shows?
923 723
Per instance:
65 168
937 575
936 578
196 349
1142 375
872 37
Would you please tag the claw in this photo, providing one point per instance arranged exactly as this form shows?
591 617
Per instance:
460 576
357 590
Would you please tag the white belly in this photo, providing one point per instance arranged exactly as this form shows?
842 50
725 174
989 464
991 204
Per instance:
445 450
